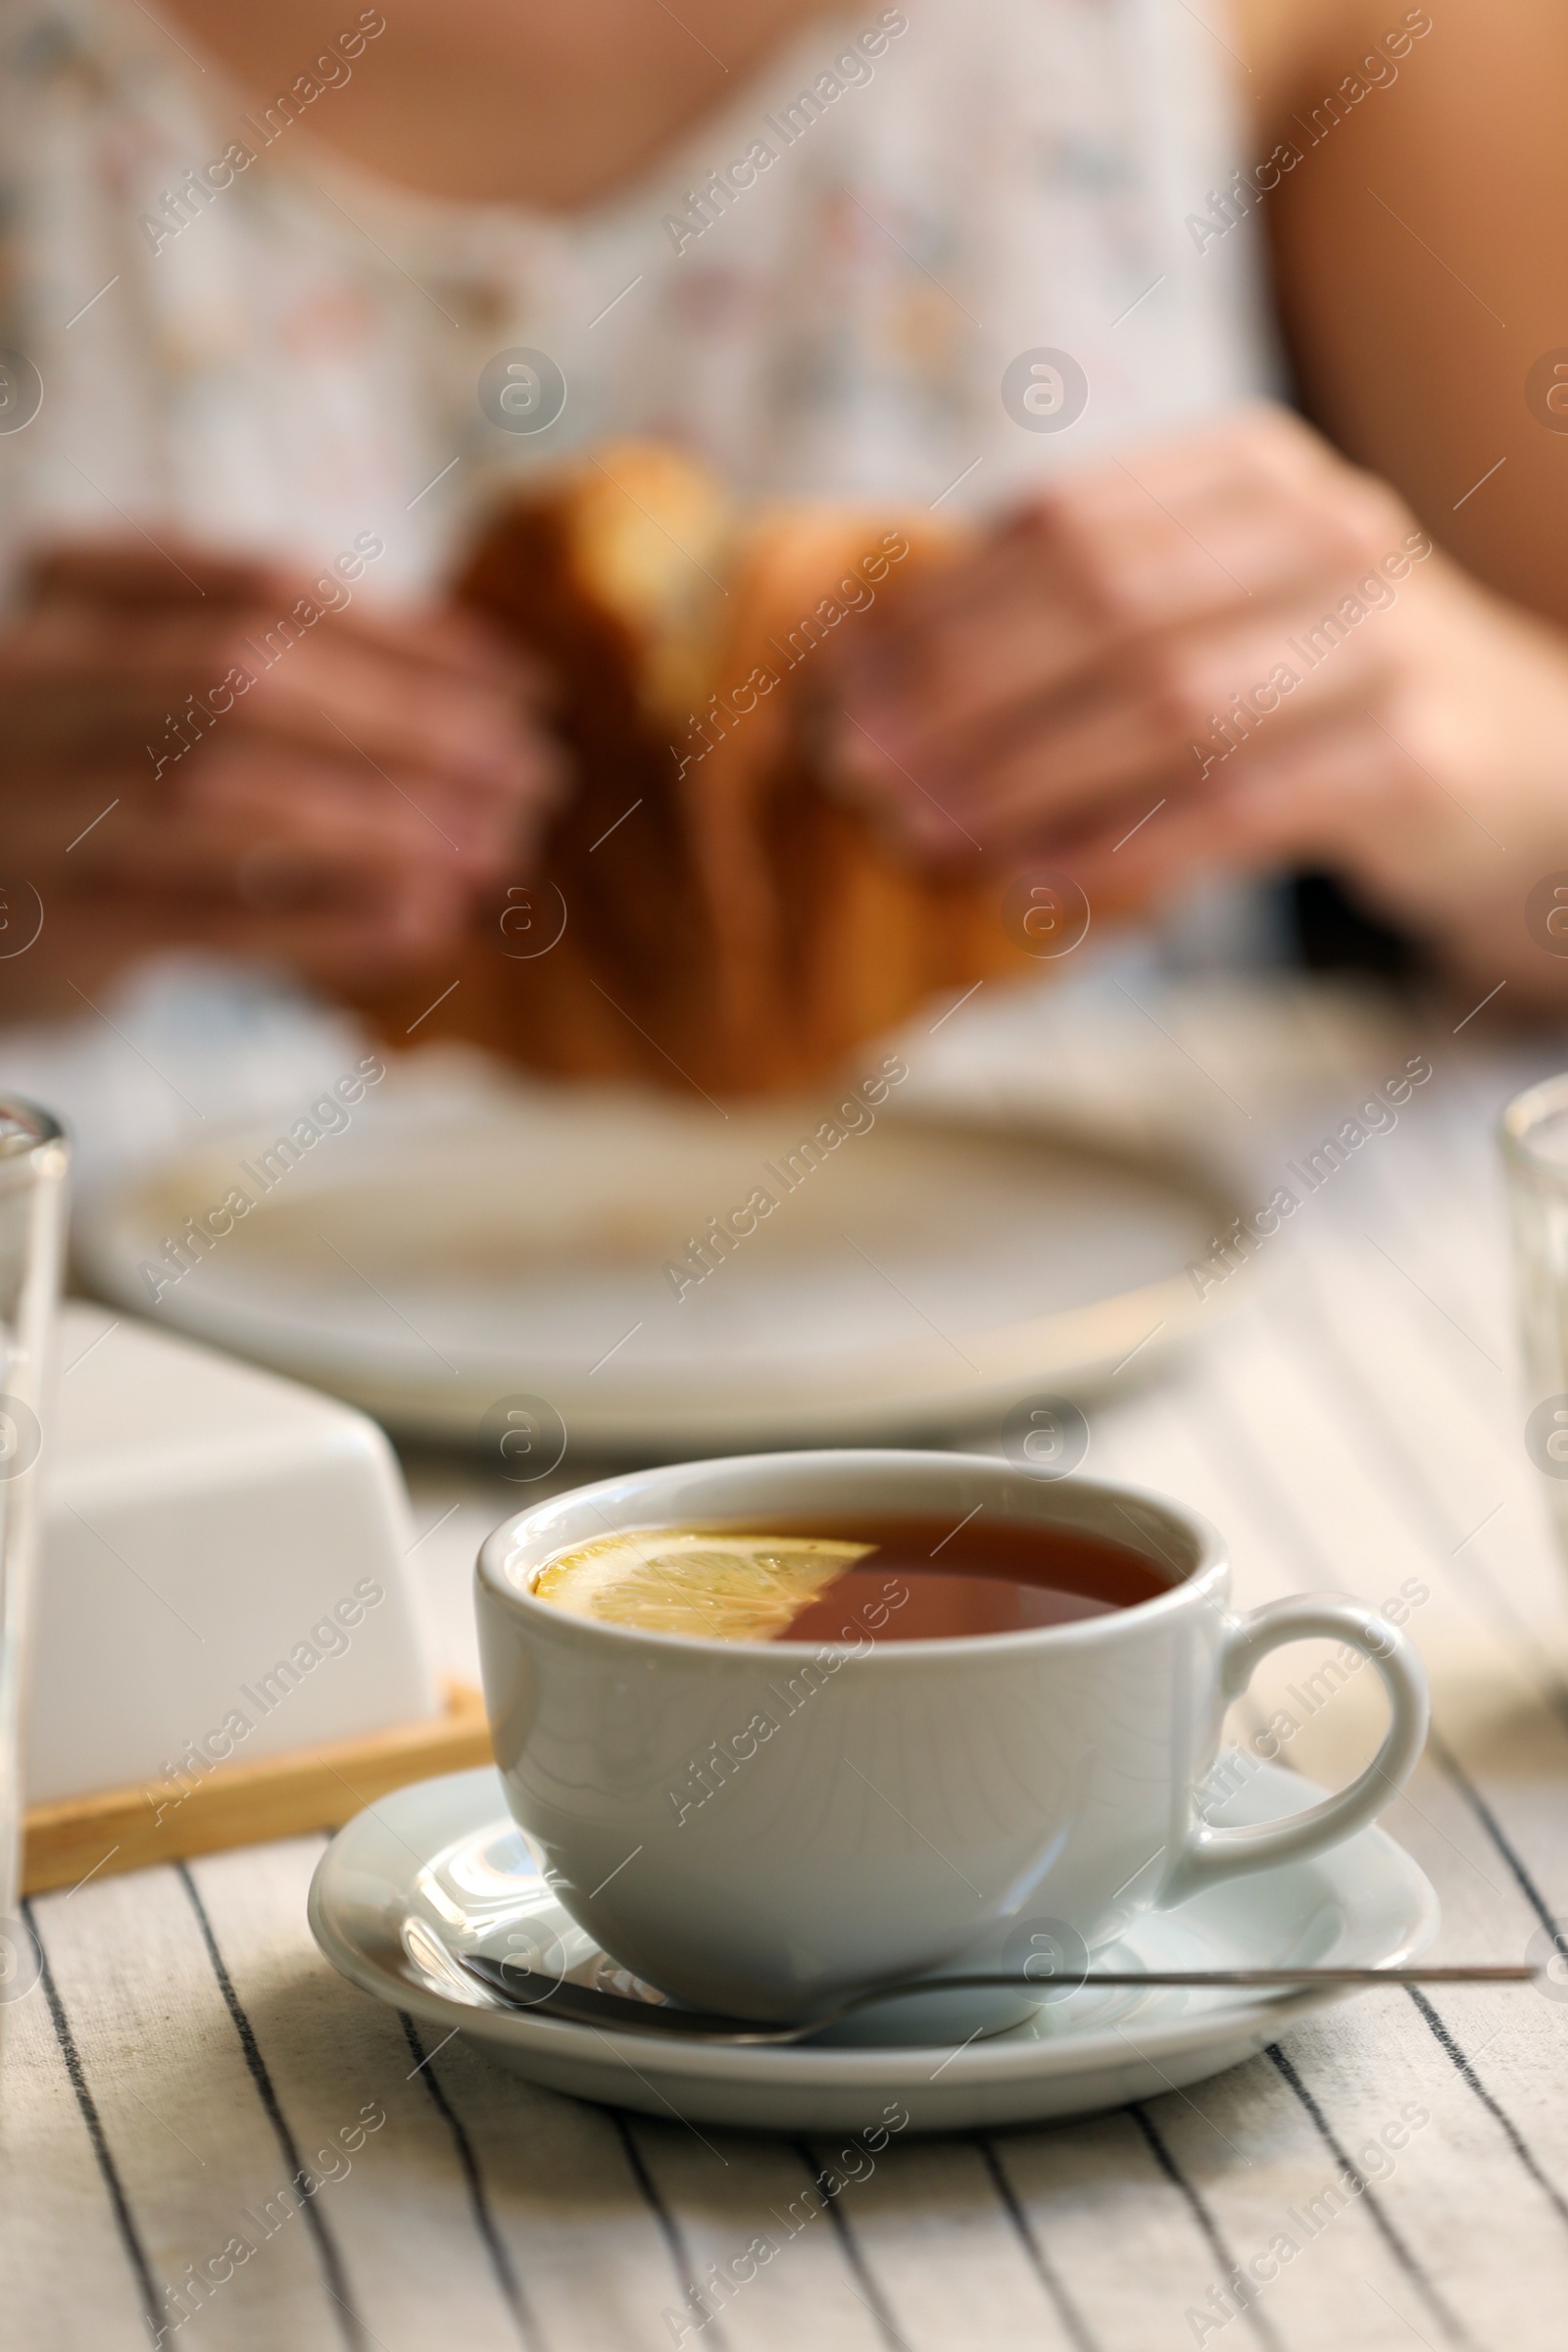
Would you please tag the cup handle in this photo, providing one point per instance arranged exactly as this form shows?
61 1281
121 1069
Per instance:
1212 1855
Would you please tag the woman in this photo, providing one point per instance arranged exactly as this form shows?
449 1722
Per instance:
991 256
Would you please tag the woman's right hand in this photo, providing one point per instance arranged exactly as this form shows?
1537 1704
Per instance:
188 757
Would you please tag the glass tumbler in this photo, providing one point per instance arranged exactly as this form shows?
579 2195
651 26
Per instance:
33 1157
1535 1149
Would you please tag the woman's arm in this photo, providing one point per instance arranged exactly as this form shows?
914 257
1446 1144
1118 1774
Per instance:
1211 654
1419 257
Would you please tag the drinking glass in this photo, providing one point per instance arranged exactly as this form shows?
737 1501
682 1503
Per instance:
33 1157
1535 1149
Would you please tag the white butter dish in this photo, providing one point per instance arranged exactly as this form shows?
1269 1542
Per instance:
223 1571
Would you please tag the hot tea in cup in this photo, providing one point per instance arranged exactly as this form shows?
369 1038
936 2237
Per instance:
893 1577
786 1725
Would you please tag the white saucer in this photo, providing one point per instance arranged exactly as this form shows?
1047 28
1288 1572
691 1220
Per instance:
453 1251
393 1924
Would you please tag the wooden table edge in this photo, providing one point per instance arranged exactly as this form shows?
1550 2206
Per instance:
304 1789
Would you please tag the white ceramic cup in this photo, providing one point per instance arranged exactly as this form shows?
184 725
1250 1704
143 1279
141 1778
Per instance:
760 1826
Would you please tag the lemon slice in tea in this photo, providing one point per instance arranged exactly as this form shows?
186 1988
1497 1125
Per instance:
663 1581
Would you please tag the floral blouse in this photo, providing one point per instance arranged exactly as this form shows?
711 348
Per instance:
930 254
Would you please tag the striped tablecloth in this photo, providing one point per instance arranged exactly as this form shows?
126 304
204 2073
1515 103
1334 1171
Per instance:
1355 1422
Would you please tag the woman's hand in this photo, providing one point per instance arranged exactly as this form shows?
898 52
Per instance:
216 750
1230 651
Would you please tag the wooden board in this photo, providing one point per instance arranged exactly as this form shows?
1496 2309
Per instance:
245 1804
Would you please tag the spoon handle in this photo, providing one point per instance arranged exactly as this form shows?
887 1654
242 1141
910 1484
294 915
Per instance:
582 2004
1465 1973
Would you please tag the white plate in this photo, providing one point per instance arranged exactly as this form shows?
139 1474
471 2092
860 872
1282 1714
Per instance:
442 1254
392 1923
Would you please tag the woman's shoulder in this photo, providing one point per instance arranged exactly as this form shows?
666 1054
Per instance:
1298 50
1290 47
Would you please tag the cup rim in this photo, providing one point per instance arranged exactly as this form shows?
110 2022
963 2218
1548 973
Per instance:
1519 1119
25 1127
1210 1570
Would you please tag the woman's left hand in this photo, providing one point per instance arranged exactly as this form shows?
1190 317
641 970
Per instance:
1231 651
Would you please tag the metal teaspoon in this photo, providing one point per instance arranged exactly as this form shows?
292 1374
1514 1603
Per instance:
585 2005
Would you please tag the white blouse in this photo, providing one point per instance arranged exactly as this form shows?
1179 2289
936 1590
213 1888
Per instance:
840 282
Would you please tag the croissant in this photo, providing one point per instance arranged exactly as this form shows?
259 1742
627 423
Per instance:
703 914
